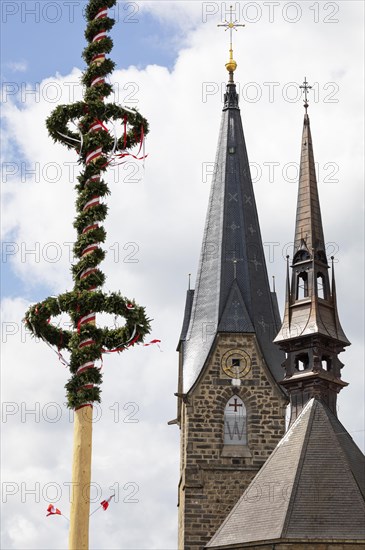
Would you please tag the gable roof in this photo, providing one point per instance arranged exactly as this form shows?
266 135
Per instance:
311 487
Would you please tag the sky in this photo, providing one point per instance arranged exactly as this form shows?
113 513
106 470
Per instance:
170 60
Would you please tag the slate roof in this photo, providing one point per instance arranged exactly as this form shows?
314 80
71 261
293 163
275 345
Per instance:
232 291
312 487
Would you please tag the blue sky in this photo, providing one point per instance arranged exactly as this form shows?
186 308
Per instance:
33 25
174 58
28 26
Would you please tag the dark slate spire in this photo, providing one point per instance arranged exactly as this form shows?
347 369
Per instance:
232 291
311 333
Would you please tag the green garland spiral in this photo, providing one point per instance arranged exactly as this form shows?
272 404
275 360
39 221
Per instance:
94 145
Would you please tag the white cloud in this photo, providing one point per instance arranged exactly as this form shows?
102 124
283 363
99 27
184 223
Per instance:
17 66
160 219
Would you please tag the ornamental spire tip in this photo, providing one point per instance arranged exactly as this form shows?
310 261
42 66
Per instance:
305 87
231 25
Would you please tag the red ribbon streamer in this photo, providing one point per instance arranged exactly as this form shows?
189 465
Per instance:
122 348
52 511
153 342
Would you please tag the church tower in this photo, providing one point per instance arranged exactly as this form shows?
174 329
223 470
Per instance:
312 488
311 334
231 407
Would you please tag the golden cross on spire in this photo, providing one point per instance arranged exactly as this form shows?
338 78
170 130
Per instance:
231 25
305 87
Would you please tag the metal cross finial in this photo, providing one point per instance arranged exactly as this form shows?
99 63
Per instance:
230 25
305 87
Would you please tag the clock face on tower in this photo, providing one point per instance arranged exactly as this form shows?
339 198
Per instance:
236 363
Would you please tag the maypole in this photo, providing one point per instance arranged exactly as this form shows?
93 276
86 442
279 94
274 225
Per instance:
97 148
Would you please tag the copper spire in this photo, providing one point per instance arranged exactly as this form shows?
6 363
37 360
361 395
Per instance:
308 229
311 333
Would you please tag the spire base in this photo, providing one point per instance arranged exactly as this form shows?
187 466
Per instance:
231 96
314 386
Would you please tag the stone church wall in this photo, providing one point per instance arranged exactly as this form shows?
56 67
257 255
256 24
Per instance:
214 476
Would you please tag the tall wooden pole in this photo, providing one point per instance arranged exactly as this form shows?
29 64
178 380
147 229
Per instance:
81 477
96 148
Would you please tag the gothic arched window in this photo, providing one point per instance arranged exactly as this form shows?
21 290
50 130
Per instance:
321 286
302 285
235 422
302 361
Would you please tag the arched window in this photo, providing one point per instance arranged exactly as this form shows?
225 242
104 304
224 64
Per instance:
302 361
326 363
301 256
235 422
320 286
302 285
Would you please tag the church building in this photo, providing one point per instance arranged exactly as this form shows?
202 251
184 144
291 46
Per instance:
244 482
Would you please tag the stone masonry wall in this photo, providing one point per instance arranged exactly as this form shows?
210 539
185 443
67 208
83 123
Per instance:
210 483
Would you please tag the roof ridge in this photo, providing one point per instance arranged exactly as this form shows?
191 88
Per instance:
312 404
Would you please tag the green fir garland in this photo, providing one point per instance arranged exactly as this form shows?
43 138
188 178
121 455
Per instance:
86 342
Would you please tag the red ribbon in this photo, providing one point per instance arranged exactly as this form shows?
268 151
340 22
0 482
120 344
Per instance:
101 13
90 227
153 342
91 270
86 343
102 125
98 56
85 405
123 347
82 321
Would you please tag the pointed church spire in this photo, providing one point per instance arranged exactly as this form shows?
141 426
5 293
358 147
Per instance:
311 333
308 227
232 293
